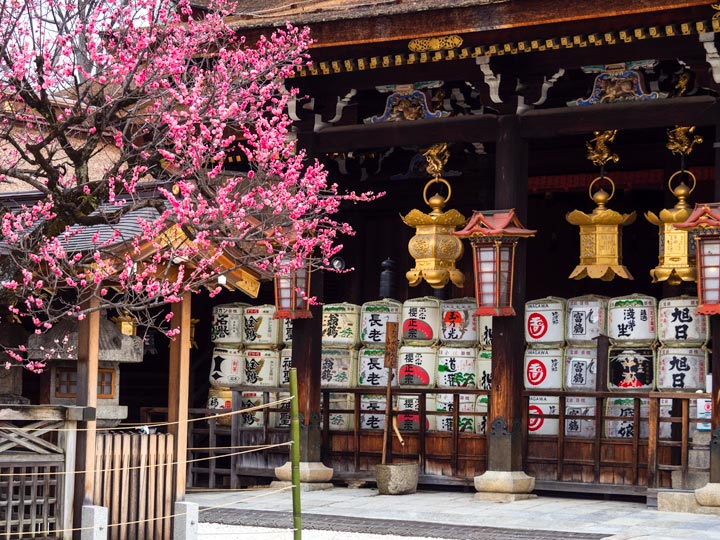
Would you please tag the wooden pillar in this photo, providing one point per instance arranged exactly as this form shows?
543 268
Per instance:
511 191
715 355
306 351
179 390
87 378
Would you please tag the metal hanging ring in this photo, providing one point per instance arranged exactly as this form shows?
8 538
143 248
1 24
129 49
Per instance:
676 173
612 193
433 181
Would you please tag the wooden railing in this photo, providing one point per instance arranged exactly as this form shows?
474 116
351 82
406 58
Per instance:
635 461
37 459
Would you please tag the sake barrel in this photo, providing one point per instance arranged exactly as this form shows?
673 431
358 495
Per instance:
261 367
226 327
408 415
286 327
228 366
371 368
285 365
624 427
483 363
456 367
481 406
281 417
421 321
680 325
539 408
681 369
543 369
339 417
417 366
374 317
220 398
260 327
458 326
484 331
586 319
580 406
445 404
340 326
631 320
580 368
545 322
338 368
372 415
256 418
631 369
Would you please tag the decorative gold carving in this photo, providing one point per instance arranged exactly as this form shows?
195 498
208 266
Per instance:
679 141
716 7
598 151
439 43
681 87
436 156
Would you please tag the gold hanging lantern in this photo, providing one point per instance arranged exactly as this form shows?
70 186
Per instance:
600 232
434 247
676 260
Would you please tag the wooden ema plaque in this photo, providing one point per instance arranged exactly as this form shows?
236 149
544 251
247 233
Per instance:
391 345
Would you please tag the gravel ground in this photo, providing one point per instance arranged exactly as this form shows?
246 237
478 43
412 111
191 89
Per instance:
215 531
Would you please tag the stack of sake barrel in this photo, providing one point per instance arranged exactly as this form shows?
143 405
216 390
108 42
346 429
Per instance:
371 370
463 361
544 356
586 320
247 353
338 362
439 348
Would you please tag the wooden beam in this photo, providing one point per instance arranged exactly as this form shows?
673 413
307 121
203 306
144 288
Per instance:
87 377
179 390
470 129
550 123
534 124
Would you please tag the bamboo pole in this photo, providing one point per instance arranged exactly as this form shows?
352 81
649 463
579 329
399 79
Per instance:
295 455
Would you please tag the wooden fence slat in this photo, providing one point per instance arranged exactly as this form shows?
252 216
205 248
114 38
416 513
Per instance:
99 473
133 493
152 477
170 475
107 465
126 445
143 492
116 492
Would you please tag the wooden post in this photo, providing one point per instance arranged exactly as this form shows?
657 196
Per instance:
306 351
87 376
391 352
511 188
179 389
715 356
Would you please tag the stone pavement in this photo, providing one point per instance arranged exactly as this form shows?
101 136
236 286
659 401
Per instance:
455 515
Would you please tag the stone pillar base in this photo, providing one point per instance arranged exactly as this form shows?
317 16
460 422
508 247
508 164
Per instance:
310 472
304 486
94 523
708 495
504 486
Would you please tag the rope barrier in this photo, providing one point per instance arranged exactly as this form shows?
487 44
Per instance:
140 521
155 424
137 467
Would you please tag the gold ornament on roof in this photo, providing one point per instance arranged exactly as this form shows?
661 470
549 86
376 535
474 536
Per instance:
682 139
600 233
434 247
598 151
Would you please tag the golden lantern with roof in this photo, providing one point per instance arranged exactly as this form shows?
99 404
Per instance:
434 247
600 231
677 253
